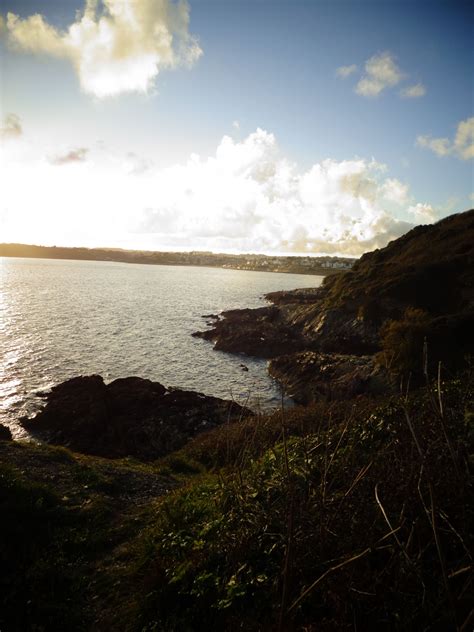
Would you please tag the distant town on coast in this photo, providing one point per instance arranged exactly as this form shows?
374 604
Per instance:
257 262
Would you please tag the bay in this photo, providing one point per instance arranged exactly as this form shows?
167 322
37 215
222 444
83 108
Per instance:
62 318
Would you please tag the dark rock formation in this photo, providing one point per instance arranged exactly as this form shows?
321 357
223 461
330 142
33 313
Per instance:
129 417
431 268
310 376
5 434
258 332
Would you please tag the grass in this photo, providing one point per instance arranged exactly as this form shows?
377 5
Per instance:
67 531
343 516
354 524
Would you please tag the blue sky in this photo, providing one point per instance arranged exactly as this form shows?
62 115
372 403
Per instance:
342 162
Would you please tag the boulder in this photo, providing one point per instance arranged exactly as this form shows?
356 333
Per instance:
5 434
128 417
310 376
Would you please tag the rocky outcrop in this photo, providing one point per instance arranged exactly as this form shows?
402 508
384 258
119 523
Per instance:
311 376
5 434
260 332
431 268
128 417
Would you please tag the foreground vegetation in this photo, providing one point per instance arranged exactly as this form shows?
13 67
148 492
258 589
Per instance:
343 516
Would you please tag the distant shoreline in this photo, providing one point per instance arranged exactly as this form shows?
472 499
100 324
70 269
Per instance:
319 266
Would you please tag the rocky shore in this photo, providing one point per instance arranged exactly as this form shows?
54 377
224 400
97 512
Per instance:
330 341
310 376
128 417
363 503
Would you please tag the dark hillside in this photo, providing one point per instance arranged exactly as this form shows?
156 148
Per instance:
431 267
419 287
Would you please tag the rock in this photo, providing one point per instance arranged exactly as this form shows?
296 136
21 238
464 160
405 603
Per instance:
128 417
311 376
258 332
431 268
5 434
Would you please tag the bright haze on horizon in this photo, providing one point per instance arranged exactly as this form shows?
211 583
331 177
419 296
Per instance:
325 127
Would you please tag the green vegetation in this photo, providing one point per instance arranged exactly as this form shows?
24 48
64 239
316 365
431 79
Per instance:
360 523
342 516
402 342
68 523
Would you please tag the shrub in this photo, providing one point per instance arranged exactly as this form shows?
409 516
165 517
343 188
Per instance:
351 525
402 342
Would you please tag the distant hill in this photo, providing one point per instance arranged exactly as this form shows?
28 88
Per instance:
319 265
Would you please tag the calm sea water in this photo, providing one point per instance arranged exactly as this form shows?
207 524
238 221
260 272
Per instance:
59 319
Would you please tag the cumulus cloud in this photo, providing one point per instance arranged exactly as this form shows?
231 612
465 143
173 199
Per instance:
462 146
423 213
75 155
413 92
115 46
247 196
135 164
11 127
346 71
439 146
464 139
395 191
381 72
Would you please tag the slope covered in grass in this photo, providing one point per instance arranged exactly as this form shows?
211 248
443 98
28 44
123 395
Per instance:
341 516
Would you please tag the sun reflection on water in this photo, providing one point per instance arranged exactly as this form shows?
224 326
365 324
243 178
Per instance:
59 319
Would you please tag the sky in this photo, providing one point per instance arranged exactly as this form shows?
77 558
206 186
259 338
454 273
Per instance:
316 127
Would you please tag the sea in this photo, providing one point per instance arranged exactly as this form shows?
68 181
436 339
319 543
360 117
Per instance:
63 318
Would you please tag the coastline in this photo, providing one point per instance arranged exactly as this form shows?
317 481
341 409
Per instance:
355 502
246 262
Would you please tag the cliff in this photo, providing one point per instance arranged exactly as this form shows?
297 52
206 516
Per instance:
429 270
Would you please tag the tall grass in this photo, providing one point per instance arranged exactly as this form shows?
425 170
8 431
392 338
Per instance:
341 517
352 515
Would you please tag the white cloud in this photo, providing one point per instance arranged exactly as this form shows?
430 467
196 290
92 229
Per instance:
439 146
135 164
11 127
74 155
381 72
395 191
246 197
413 92
423 213
115 46
346 71
462 146
464 139
471 197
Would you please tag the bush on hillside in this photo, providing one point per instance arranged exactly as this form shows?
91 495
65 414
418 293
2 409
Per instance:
357 524
402 342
